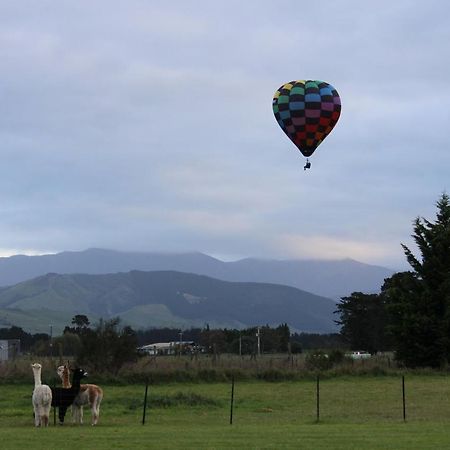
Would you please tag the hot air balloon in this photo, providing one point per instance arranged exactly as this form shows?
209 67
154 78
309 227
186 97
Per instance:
307 110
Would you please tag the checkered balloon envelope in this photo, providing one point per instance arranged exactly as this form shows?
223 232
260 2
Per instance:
307 110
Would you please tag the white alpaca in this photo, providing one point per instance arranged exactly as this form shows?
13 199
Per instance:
42 398
90 394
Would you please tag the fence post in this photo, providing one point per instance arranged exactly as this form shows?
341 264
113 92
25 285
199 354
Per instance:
232 400
317 399
404 398
54 410
145 403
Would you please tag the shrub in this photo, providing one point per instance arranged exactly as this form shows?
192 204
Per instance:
318 360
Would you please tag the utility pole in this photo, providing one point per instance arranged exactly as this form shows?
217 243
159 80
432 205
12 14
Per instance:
181 340
51 341
258 335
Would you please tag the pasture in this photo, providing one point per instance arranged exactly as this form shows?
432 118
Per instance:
355 412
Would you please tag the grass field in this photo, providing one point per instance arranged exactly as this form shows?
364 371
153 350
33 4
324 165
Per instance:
355 413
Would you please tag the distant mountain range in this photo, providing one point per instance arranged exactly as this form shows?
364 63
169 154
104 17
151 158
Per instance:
332 279
157 298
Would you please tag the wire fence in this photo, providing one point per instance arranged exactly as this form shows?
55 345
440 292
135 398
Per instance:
342 400
375 390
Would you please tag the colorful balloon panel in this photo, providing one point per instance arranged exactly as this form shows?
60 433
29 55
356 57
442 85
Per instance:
307 111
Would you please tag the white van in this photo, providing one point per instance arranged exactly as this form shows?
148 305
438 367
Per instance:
359 354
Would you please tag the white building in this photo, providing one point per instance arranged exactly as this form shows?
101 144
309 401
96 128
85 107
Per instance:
9 349
168 348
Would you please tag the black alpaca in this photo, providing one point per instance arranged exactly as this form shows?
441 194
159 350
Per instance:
63 397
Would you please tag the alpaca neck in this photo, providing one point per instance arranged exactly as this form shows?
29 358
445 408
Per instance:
76 380
66 381
37 377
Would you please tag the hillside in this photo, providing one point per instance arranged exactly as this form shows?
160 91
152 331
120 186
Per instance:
161 298
332 279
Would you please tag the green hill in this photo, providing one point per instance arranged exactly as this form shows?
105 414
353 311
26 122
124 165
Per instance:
161 298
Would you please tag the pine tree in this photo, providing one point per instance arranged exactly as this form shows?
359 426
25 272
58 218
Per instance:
419 301
363 320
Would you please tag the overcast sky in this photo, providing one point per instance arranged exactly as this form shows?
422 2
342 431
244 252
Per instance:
148 125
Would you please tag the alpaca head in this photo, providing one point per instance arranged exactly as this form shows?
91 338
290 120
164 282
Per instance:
36 373
60 371
36 367
64 373
78 374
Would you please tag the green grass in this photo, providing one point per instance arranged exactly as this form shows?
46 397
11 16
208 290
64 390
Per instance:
355 413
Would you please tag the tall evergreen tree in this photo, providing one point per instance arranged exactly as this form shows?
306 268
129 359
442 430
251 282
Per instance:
418 302
363 320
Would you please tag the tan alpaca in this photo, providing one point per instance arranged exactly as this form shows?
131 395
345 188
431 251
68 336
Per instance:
90 394
42 398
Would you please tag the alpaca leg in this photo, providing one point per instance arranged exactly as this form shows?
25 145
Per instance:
80 414
46 415
94 414
37 419
97 414
76 414
97 407
41 413
61 414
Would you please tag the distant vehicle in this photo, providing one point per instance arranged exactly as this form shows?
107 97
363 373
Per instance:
359 354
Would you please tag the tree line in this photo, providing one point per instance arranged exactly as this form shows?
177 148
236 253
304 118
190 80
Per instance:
27 340
223 340
108 343
411 314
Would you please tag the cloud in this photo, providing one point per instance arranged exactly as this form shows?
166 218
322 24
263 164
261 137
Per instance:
328 247
140 125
